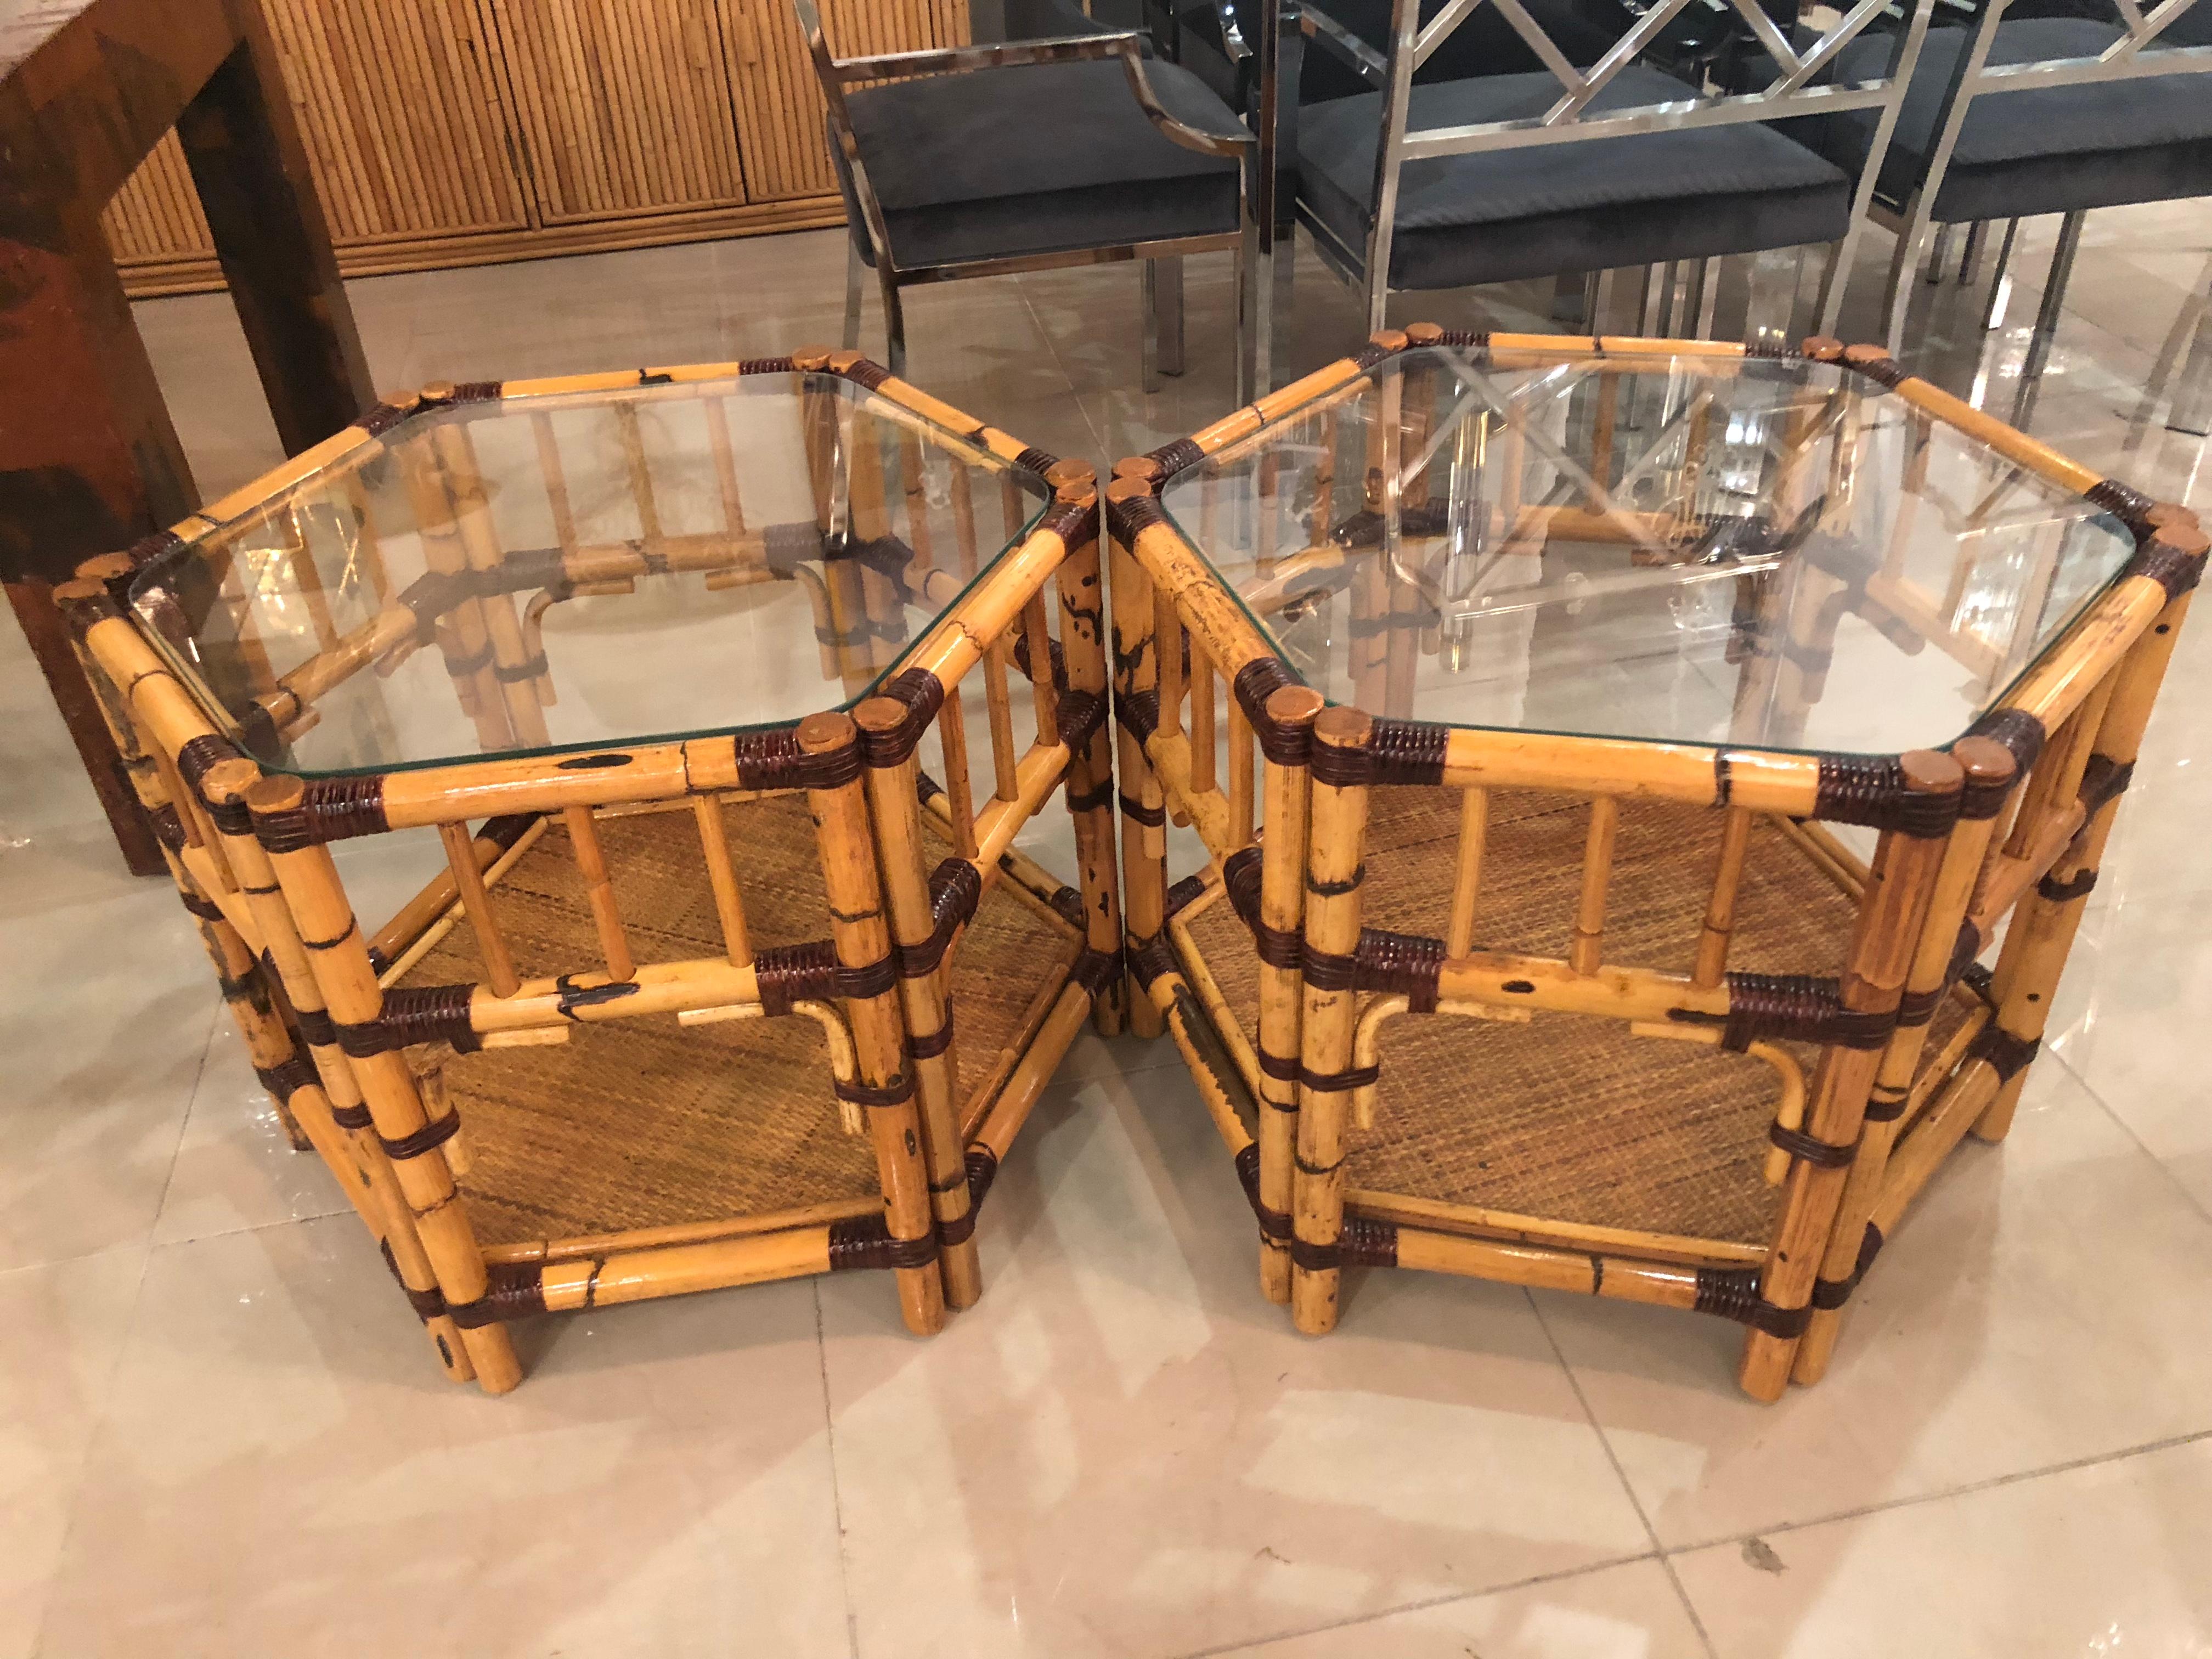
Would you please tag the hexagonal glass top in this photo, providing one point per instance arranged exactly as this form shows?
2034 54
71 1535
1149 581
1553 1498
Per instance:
1762 553
566 568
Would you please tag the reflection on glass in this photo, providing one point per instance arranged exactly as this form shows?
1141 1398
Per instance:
1759 552
575 569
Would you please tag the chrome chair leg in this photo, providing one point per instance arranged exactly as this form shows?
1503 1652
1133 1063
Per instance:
2047 318
1993 314
1971 254
894 322
1776 276
1164 331
1707 281
1652 317
1571 297
855 269
1938 252
1828 296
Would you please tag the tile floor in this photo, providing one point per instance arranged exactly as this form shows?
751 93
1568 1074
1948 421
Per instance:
218 1435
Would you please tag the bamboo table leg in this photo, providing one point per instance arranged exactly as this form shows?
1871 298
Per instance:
1144 806
1090 774
1291 712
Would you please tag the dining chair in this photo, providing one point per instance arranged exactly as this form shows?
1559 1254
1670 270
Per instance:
1576 167
1073 149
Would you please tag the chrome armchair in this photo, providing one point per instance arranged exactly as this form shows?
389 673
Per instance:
982 161
1578 168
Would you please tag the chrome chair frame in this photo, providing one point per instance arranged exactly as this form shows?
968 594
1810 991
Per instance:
1164 331
1912 219
1412 45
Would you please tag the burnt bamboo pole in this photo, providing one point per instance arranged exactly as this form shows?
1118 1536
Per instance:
1336 838
1291 712
1143 809
1989 773
866 966
339 962
888 737
1090 767
1883 938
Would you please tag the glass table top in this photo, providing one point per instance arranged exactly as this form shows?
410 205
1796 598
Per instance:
570 569
1751 552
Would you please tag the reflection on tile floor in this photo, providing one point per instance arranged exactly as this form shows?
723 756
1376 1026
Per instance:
217 1435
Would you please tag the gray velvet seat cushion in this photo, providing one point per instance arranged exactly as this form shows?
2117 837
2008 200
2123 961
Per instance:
1587 205
2051 149
1043 158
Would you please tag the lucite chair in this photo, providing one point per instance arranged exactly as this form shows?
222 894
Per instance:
1069 150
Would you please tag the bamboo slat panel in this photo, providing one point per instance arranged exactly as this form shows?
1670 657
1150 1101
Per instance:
156 215
400 105
624 105
778 104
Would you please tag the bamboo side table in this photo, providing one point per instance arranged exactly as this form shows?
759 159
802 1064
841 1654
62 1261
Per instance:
1671 727
653 656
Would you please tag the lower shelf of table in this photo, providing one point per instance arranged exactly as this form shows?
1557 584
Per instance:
1568 1129
643 1132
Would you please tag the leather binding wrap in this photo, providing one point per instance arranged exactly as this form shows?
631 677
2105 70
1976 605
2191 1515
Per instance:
1408 751
1388 343
1860 789
1039 461
1072 521
982 1170
795 973
1068 902
413 1014
1410 964
2065 892
2016 730
1362 1243
512 1288
2103 781
923 695
861 372
1343 766
331 809
169 830
2008 1055
1273 1224
2131 506
1138 713
1153 818
1277 947
928 1048
1097 971
896 1092
1131 517
956 887
194 761
1733 1293
1252 685
765 366
1789 1008
380 418
1173 457
1464 339
427 1304
2174 558
774 760
865 1241
1821 1154
1151 957
1834 1292
1188 891
435 1132
1876 365
283 1081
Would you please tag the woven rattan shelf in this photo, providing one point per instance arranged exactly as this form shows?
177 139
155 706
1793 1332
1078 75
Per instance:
1703 717
722 985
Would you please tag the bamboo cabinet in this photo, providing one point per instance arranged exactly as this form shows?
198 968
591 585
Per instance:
727 970
1702 718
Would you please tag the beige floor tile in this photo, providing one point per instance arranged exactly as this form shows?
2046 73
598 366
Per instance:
2107 1559
1629 1611
1123 1448
233 1167
283 1470
63 1328
2045 1303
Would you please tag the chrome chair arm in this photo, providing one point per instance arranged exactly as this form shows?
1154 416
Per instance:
1341 44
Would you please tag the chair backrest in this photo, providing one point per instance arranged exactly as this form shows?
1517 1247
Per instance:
1801 84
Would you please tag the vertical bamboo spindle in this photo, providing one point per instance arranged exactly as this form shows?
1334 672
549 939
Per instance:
1241 824
1989 771
1291 712
1036 634
959 788
513 672
639 472
2041 936
998 703
871 524
725 468
894 803
1202 737
964 521
818 427
914 480
332 1111
1584 955
338 959
476 904
722 877
1144 812
462 641
1466 880
592 865
1883 938
1335 841
1091 770
863 942
1720 907
1167 637
1321 517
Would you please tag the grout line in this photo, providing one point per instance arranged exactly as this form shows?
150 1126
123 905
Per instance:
1969 1490
836 1494
1590 1416
1359 1619
2134 1139
1097 438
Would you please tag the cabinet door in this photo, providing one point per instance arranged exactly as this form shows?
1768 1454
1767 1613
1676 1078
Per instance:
156 217
625 105
780 102
400 107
